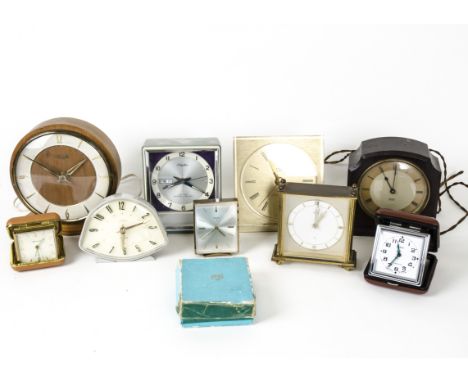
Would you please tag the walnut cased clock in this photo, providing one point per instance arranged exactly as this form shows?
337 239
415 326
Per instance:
66 166
176 172
260 162
395 173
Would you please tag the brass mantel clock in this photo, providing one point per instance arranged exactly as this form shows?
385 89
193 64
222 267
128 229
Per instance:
260 162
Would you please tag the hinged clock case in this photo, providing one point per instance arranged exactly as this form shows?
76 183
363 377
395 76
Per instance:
30 223
417 224
155 149
343 199
378 149
221 202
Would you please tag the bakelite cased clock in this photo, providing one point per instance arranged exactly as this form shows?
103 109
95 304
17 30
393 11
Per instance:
394 173
123 228
260 162
316 224
216 229
37 241
178 171
66 166
400 257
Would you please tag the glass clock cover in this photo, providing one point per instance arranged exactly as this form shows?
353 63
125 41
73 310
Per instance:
215 227
123 228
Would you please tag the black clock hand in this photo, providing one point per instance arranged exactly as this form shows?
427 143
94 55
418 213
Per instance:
392 190
395 168
396 257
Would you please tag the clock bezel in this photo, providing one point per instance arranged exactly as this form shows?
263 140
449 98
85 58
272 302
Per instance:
228 201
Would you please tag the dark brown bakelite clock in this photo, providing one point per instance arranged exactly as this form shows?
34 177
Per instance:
394 173
66 166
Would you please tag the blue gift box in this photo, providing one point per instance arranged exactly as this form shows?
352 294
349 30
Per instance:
215 292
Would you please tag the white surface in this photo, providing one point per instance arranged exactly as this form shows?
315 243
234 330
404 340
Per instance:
147 72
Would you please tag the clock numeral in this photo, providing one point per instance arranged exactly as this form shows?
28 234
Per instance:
265 206
207 168
152 227
250 181
59 138
112 249
47 208
138 248
86 208
93 230
183 208
254 196
158 195
121 205
420 192
145 215
154 181
99 217
96 245
152 242
182 154
102 197
158 168
210 181
168 157
414 203
109 208
67 214
207 194
134 208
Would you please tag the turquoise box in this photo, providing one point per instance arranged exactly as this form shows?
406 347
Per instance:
215 292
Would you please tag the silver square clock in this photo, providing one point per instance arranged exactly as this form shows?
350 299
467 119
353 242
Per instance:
178 171
216 228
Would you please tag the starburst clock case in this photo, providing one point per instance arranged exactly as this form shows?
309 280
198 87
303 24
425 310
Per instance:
178 171
316 224
216 227
400 257
260 162
66 166
394 173
37 241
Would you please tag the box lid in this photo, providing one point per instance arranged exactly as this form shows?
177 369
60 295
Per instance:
177 142
422 223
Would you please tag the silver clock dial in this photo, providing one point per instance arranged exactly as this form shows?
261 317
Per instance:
179 178
123 228
315 225
216 228
399 255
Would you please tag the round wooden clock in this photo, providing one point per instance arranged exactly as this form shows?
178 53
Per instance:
395 173
66 166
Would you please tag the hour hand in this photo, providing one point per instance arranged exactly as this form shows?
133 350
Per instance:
75 168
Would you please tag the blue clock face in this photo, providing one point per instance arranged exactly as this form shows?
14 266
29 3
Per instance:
177 178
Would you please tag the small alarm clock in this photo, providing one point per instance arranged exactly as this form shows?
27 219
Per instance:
400 257
178 171
394 173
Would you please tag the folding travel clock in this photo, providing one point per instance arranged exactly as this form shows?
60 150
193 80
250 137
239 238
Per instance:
395 173
316 224
400 257
178 171
37 241
216 229
260 162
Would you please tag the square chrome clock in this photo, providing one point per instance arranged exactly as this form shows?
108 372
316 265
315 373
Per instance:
316 224
216 227
178 171
260 162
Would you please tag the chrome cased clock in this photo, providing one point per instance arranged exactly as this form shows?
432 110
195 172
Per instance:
316 224
178 171
216 229
259 163
400 257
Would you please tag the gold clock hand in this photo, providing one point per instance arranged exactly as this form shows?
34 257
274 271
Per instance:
268 196
122 239
75 168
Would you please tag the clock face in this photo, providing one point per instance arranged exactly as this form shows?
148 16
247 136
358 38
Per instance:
61 173
216 228
315 225
123 229
393 184
399 255
181 177
258 176
36 246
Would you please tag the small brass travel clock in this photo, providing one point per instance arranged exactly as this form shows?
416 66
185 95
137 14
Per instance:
259 163
37 241
316 224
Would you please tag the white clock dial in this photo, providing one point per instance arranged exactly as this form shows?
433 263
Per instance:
261 168
36 246
315 225
62 173
399 255
216 228
123 228
181 177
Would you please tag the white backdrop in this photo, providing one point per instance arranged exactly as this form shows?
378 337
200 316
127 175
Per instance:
148 72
